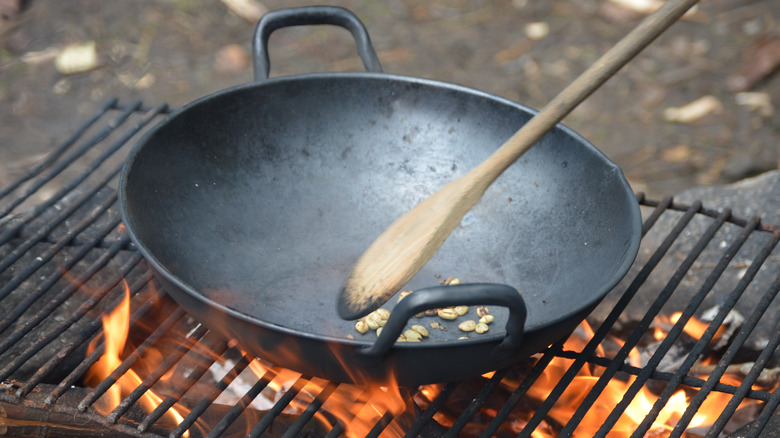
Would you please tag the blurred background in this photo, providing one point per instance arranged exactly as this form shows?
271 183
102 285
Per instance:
696 108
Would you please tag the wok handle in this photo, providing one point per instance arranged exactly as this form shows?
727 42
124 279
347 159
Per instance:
442 296
310 15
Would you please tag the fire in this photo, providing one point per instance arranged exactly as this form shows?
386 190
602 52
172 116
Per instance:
116 325
694 327
572 398
358 408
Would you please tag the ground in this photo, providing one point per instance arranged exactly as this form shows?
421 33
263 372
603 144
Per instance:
526 50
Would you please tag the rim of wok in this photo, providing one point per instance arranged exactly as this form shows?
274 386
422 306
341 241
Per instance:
592 298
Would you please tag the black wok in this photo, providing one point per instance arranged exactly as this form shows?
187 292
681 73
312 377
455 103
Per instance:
253 203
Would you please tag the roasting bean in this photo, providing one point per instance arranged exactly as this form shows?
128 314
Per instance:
468 326
447 313
421 330
413 336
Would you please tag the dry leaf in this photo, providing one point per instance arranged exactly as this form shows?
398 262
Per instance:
77 58
756 101
231 59
250 10
676 154
645 7
537 30
693 111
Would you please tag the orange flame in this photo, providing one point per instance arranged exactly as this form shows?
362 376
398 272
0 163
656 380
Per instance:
694 327
573 396
116 325
358 408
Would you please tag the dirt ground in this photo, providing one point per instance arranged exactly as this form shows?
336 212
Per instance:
526 50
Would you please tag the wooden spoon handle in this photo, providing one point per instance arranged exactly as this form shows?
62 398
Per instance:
404 247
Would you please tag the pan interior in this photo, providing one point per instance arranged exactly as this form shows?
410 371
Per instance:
262 197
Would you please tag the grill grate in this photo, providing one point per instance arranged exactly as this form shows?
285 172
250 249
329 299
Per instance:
64 256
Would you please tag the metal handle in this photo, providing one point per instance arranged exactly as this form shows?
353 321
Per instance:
311 15
442 296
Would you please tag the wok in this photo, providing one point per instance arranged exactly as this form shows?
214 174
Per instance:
252 204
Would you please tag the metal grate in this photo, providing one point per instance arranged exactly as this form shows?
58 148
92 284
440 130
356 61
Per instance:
65 261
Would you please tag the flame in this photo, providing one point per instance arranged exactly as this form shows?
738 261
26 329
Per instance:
572 398
694 327
358 408
116 325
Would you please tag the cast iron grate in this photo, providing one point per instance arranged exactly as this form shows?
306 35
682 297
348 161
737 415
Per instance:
65 261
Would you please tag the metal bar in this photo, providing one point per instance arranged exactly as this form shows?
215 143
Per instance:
60 328
380 425
56 170
310 410
55 277
93 357
521 390
686 315
74 343
278 407
659 210
602 331
760 423
710 212
759 364
43 231
644 324
109 381
436 404
54 303
337 430
705 339
59 150
39 235
152 378
207 359
50 252
201 407
61 420
692 382
475 404
340 426
241 404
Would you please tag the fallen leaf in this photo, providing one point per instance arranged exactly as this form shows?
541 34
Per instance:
693 111
645 7
676 154
536 30
640 6
77 58
250 10
756 101
231 59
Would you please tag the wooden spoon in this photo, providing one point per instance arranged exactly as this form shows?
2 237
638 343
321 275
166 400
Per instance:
406 245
